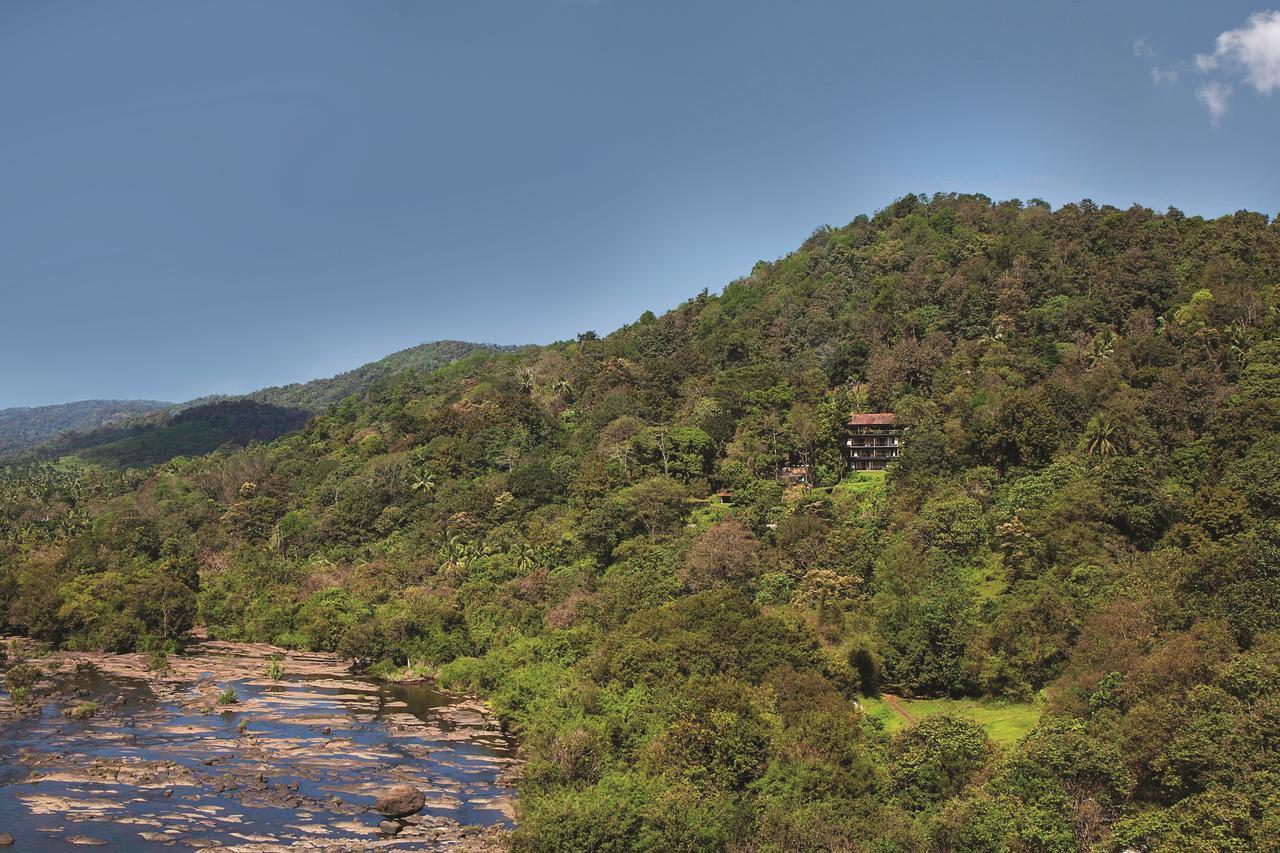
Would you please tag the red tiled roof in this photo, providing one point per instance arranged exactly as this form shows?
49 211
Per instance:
873 419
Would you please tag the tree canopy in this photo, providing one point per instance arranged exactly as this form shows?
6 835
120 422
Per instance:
1083 520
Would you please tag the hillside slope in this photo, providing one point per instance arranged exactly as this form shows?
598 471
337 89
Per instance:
1082 526
203 425
319 394
24 427
162 436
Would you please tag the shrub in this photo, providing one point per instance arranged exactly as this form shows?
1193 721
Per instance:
934 759
22 676
82 711
326 616
775 588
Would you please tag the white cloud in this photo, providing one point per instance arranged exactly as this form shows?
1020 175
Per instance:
1143 49
1215 96
1254 48
1206 61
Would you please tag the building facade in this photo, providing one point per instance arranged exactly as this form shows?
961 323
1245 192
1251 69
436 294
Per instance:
875 439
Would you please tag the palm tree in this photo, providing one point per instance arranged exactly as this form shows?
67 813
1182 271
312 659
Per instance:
1238 341
424 482
1101 436
526 556
453 554
1101 348
475 551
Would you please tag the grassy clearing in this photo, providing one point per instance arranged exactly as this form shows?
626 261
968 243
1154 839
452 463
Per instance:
861 483
1005 722
988 578
706 513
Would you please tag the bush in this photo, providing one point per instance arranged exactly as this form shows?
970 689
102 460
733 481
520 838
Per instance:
82 711
775 588
326 616
609 815
21 676
934 759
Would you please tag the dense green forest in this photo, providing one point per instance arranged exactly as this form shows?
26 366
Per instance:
24 427
1082 527
189 432
201 426
319 394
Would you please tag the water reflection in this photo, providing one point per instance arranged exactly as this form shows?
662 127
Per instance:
295 761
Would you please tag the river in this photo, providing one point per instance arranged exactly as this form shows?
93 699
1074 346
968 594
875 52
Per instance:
293 763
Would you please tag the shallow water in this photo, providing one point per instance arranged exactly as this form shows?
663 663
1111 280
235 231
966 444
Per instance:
155 767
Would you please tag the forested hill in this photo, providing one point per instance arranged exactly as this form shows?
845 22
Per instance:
161 436
319 394
24 427
1067 590
203 425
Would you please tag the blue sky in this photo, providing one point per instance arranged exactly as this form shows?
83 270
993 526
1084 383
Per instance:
211 197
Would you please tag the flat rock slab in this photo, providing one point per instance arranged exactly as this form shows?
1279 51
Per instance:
296 763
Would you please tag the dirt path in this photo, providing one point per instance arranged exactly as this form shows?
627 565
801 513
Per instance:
894 703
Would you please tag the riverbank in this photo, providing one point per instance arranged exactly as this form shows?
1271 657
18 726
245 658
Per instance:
211 751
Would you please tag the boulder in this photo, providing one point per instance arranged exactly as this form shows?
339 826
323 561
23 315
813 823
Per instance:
390 827
6 840
400 801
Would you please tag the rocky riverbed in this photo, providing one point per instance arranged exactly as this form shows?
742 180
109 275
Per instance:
294 763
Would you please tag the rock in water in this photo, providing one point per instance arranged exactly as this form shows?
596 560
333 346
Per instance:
6 840
390 827
400 801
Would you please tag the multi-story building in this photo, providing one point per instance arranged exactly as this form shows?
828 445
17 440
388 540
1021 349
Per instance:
875 438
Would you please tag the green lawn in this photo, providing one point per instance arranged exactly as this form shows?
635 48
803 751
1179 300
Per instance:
1005 722
704 513
861 483
988 578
